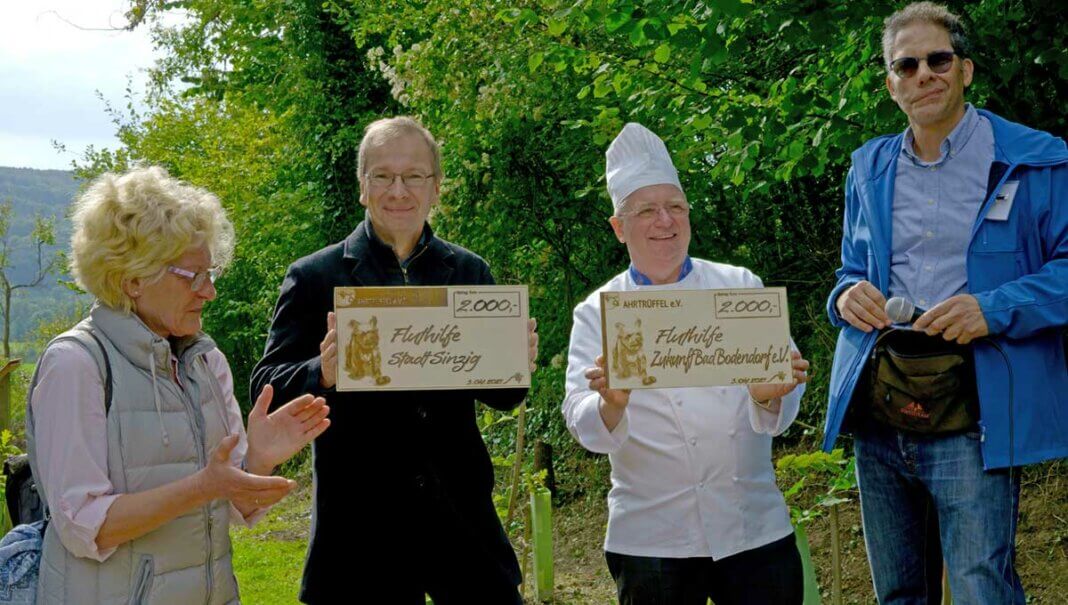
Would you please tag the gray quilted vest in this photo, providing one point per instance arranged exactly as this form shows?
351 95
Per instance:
158 432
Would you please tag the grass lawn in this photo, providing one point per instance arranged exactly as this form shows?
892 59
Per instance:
268 558
268 571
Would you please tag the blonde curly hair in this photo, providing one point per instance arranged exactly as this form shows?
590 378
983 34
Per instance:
133 225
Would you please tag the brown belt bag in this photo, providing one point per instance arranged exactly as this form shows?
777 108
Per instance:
922 383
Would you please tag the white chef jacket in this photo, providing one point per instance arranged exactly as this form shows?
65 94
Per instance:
691 467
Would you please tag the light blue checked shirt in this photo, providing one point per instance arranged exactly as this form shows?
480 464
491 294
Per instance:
935 205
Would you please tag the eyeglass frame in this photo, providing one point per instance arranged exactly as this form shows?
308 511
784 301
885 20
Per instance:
657 208
905 76
381 184
197 280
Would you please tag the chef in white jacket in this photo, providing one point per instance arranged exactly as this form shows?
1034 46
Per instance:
694 512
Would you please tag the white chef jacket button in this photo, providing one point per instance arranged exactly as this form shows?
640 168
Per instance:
701 485
734 478
693 442
731 433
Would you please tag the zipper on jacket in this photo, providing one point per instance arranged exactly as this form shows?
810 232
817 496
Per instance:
202 454
841 411
143 580
403 266
211 561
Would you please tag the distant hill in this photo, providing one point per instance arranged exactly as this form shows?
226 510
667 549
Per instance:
42 193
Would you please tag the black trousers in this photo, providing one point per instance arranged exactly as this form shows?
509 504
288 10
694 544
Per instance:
435 554
766 575
452 567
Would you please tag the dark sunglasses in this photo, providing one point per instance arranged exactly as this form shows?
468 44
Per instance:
938 62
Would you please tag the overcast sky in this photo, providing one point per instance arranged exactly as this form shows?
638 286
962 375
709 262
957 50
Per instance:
50 71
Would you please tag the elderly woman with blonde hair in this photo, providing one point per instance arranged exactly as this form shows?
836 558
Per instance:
132 425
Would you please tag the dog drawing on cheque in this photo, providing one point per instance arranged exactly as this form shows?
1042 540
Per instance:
628 356
362 358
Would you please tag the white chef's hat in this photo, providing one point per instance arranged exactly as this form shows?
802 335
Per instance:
637 158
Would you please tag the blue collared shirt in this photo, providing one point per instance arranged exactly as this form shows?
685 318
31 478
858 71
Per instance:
935 206
643 280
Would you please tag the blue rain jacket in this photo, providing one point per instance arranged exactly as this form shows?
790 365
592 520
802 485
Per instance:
1017 270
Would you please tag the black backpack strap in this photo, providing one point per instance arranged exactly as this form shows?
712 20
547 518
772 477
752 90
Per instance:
103 359
107 372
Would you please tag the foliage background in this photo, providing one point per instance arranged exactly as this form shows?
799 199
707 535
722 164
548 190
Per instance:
761 103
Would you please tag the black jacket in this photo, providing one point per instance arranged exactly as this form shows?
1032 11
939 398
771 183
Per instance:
391 462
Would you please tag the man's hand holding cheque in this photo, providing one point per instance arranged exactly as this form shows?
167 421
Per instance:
613 401
769 396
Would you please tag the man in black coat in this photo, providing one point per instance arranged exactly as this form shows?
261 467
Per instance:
402 480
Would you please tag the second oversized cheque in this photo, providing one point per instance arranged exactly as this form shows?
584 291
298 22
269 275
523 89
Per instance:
432 337
695 338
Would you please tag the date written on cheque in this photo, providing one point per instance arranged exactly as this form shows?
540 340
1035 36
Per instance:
486 381
517 378
777 378
747 379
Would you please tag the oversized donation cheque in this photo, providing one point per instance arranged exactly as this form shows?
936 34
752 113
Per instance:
431 337
654 339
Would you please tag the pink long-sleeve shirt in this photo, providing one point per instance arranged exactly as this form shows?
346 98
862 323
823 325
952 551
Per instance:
70 430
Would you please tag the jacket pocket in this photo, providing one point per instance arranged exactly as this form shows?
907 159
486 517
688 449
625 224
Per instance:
142 581
995 267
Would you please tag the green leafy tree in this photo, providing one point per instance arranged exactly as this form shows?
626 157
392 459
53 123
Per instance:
262 103
761 105
41 237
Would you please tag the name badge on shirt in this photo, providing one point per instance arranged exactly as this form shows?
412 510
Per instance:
1003 202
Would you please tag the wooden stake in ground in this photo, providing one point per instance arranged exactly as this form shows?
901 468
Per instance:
517 464
836 560
523 551
6 372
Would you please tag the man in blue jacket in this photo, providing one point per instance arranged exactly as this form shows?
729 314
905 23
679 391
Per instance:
966 215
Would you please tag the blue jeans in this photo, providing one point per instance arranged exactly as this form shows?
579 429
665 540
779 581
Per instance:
904 480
